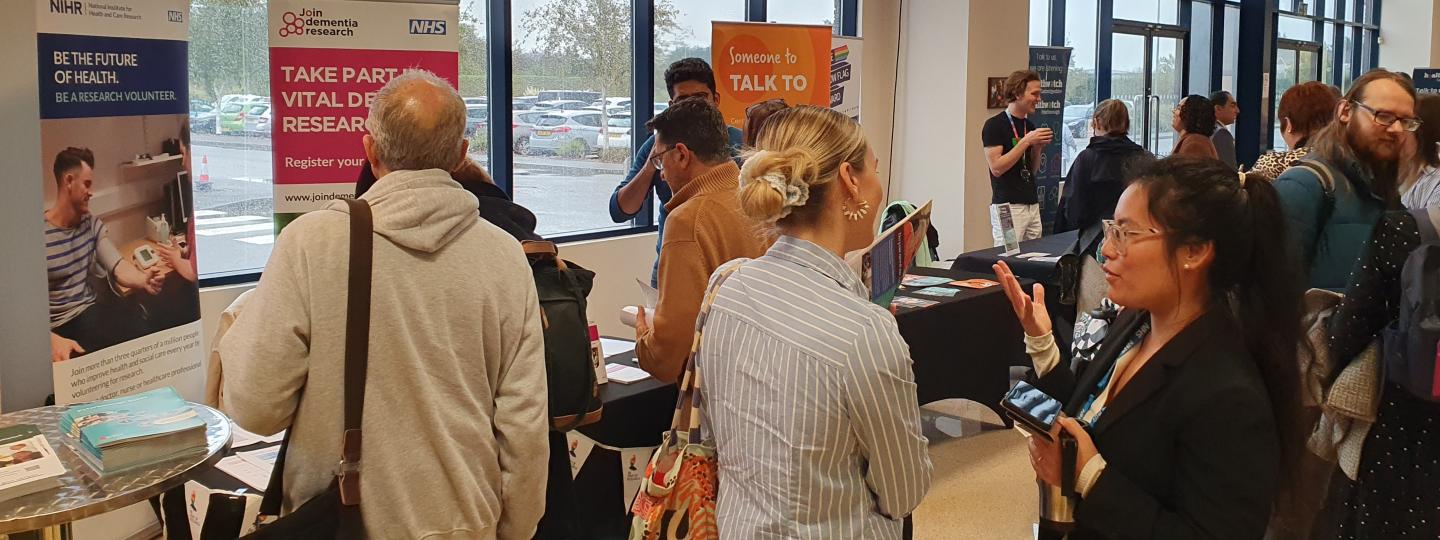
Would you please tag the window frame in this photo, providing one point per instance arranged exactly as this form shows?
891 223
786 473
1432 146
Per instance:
500 47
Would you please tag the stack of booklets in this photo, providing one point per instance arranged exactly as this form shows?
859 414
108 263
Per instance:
133 431
27 462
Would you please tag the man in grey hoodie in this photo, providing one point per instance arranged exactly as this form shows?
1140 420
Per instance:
455 420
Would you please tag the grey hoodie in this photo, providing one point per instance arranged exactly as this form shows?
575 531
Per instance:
455 429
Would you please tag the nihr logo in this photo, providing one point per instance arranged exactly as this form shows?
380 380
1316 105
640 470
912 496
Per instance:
67 7
427 26
176 16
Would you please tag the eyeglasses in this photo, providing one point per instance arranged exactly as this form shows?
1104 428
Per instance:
660 163
1387 119
1120 237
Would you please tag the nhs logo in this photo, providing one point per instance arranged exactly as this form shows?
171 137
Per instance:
427 26
176 16
67 7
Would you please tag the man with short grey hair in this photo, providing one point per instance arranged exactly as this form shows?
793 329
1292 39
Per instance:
455 421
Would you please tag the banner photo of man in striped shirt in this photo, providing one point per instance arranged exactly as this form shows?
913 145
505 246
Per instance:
120 263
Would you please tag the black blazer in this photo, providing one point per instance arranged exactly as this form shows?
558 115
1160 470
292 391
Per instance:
1190 443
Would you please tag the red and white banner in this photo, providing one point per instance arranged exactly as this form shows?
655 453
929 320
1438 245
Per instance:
327 60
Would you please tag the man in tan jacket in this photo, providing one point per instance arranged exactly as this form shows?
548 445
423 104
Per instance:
705 229
455 419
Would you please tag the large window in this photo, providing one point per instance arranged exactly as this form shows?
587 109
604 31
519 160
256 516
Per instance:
1154 11
1229 64
825 12
1201 29
1081 23
572 64
573 70
1039 22
230 83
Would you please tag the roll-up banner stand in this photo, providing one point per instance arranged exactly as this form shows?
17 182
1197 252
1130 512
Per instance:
1053 65
1427 81
845 75
327 60
757 62
124 307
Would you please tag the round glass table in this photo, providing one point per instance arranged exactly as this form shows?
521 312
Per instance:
82 494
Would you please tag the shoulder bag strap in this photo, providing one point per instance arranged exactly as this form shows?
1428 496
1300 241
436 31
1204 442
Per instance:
687 410
1327 188
357 344
357 347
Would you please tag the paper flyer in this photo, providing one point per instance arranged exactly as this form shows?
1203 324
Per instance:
580 447
1001 213
632 469
327 60
124 304
883 264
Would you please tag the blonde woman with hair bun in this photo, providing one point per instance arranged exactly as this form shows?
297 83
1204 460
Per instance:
808 389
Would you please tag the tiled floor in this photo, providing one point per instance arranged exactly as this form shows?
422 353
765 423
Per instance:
983 486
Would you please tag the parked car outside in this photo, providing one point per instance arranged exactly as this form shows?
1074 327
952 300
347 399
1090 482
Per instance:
523 103
257 119
555 129
617 131
586 96
482 100
231 119
522 124
477 118
560 105
202 116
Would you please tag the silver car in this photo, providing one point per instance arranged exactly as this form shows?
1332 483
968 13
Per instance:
258 119
523 125
556 129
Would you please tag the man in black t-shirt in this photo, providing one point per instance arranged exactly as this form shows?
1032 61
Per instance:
1012 151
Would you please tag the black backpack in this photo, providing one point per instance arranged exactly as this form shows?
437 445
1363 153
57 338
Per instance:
1411 342
562 287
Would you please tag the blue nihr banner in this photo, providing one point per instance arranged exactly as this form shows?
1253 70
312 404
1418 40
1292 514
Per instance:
1053 65
97 76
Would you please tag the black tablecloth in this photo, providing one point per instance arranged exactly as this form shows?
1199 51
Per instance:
1043 271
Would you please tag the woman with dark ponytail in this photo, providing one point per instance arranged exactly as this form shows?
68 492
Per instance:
1186 421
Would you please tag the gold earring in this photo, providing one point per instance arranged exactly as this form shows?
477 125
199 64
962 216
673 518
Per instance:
855 215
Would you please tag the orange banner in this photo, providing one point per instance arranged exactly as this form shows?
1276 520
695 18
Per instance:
755 62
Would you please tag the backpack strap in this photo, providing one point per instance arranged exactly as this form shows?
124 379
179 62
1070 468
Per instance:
1327 188
1427 220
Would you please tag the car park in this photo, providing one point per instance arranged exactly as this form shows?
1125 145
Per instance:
477 118
522 124
560 105
257 119
202 116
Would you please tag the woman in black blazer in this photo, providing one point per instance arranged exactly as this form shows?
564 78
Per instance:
1187 394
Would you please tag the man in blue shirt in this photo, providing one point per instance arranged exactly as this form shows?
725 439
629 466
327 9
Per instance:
683 79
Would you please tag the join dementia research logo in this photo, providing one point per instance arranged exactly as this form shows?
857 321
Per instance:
313 22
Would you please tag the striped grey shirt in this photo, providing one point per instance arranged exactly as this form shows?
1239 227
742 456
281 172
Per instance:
808 392
71 256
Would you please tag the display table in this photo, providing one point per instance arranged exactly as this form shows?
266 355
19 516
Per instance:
82 495
981 261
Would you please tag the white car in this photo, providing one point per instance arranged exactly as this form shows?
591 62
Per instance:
556 129
617 131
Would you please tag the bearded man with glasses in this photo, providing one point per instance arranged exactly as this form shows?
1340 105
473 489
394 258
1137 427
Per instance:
1334 197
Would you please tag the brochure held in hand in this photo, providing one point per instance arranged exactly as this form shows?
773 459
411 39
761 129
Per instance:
883 264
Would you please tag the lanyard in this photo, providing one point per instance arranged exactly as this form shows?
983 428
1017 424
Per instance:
1024 158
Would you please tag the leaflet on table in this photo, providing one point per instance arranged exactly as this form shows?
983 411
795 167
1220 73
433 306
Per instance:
624 374
883 264
241 438
613 347
246 471
1000 213
923 281
27 462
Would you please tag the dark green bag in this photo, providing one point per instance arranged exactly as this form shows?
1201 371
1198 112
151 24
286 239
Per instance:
562 287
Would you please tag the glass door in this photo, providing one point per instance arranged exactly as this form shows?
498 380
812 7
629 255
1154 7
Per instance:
1147 73
1295 63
